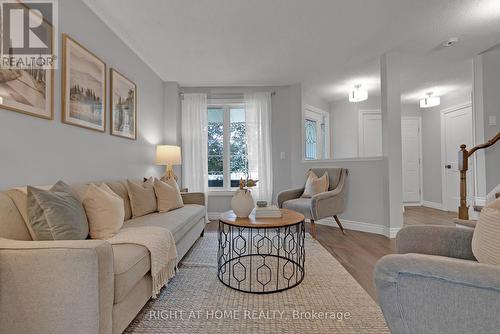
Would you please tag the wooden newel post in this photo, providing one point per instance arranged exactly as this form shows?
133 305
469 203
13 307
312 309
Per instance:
463 166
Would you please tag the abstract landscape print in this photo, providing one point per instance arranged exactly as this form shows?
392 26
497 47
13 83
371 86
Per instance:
84 87
123 106
28 91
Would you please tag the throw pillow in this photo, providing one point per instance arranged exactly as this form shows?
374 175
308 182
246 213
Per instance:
486 238
56 214
168 195
142 197
315 185
105 211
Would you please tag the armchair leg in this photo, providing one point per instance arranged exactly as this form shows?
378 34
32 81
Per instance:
339 223
313 228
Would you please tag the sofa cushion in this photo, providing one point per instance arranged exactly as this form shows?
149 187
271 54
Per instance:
120 188
105 211
12 224
131 263
142 197
56 214
178 221
168 195
302 205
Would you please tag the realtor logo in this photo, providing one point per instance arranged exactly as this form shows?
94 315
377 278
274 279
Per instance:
29 34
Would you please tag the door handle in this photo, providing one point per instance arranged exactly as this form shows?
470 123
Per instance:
447 166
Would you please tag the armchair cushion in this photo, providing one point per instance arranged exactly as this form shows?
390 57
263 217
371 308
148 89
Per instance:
315 185
302 205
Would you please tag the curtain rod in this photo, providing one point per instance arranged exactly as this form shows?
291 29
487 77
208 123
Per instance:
222 95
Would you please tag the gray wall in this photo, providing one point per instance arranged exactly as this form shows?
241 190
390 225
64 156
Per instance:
344 125
431 146
365 178
491 105
38 151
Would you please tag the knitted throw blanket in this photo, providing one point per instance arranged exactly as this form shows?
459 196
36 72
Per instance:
161 245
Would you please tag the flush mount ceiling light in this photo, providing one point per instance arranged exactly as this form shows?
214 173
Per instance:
358 94
430 101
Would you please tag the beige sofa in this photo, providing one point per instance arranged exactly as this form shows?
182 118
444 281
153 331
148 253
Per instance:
81 286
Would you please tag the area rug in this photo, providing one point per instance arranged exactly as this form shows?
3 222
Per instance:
328 300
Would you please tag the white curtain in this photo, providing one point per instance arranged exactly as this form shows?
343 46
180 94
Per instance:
258 131
194 142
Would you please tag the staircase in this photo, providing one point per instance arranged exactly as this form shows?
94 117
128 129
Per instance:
463 166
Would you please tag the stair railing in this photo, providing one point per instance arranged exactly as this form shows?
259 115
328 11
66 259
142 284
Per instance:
463 166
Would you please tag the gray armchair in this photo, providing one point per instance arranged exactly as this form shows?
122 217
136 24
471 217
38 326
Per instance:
328 204
435 285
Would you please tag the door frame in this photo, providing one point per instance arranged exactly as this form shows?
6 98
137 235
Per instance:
421 161
361 114
444 191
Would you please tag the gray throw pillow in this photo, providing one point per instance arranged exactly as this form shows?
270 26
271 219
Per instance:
56 214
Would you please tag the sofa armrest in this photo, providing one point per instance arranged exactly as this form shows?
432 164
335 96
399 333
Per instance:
433 294
193 198
446 241
56 286
287 195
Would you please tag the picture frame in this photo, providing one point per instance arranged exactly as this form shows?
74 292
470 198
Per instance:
123 106
28 91
84 83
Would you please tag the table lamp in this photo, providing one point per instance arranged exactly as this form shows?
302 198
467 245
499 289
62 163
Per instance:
168 155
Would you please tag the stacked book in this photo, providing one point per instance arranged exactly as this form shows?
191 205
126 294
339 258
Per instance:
270 211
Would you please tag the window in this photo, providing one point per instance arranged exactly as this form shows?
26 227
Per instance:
227 146
316 134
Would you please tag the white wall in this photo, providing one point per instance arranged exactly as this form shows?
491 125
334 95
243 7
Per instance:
38 151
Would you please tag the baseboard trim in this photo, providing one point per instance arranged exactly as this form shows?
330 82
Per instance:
348 225
411 204
432 205
362 227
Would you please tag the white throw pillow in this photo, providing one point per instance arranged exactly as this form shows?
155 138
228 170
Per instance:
105 211
486 238
315 185
168 195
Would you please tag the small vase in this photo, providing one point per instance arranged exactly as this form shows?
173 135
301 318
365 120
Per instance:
242 203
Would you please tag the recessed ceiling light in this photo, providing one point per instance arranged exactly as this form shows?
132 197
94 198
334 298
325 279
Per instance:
430 101
358 94
450 42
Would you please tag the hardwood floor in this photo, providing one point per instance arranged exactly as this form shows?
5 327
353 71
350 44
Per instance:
359 251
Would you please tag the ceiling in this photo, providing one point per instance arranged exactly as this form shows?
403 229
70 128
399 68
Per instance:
327 45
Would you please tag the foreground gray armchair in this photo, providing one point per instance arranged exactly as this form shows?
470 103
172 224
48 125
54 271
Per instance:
328 204
435 285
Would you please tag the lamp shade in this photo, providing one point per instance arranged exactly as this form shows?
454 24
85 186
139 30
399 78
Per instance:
168 155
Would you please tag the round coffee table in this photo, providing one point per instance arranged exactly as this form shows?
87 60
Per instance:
261 255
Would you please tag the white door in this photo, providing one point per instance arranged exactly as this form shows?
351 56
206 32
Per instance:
457 130
370 134
410 136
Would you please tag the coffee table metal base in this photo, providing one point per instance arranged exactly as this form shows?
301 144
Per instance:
261 260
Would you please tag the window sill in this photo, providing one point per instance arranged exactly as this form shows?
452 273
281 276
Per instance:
221 193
